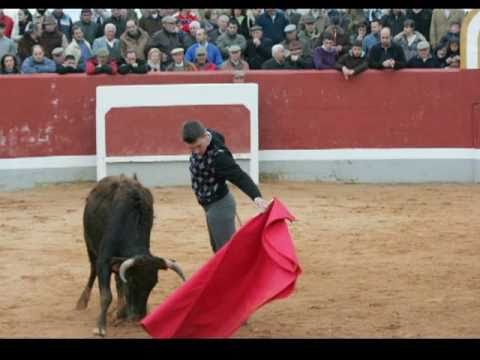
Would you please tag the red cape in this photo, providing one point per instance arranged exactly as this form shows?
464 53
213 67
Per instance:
256 266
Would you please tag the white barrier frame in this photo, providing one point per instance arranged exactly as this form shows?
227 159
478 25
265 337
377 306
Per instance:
125 96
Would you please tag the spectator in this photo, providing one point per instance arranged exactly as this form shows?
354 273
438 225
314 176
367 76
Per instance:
373 38
259 48
109 42
297 59
310 35
241 16
320 21
386 54
7 45
151 22
324 57
423 59
440 54
79 48
423 20
453 32
209 20
101 63
359 30
234 61
39 15
30 37
339 18
179 63
453 53
69 66
373 14
154 61
340 38
135 39
277 62
100 17
409 39
273 23
394 20
8 65
64 23
119 21
133 65
441 18
221 29
189 39
129 14
213 53
38 63
238 77
51 37
355 17
293 16
185 17
354 62
167 39
89 27
24 17
58 56
201 61
291 35
7 24
231 37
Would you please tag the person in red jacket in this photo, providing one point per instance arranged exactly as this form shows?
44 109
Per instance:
8 22
185 17
101 63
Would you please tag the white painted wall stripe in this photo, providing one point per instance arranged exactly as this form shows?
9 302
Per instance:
50 162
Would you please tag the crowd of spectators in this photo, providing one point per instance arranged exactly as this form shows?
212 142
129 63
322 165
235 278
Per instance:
124 41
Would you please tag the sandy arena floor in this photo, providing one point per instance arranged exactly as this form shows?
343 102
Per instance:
379 261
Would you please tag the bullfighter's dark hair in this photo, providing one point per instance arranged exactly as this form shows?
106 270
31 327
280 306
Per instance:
192 131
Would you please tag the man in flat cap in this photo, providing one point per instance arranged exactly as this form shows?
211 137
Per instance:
51 37
179 63
101 63
423 59
310 35
259 48
201 60
234 61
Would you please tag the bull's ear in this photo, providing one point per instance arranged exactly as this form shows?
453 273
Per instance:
115 263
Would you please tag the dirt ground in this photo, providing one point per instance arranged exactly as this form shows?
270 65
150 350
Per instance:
379 261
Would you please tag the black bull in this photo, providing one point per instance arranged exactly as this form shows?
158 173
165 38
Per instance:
117 222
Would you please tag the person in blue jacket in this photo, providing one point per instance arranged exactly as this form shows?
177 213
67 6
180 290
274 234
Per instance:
38 63
213 52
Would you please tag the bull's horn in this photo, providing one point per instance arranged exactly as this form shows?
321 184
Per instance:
169 264
124 267
173 265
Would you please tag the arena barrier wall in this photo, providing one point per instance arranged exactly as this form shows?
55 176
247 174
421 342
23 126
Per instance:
404 126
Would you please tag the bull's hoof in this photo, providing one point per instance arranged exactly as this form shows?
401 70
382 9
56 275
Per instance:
99 332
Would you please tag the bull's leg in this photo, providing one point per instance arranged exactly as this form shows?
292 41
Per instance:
105 298
85 296
121 301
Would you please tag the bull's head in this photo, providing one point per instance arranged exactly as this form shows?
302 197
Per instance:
139 275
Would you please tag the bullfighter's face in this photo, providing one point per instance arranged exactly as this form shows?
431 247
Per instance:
199 146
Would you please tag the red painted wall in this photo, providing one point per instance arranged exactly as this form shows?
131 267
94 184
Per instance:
47 115
157 130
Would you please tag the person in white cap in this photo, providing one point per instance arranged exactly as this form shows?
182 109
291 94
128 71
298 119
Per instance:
179 63
424 58
234 61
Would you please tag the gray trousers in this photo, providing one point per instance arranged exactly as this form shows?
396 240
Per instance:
221 221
